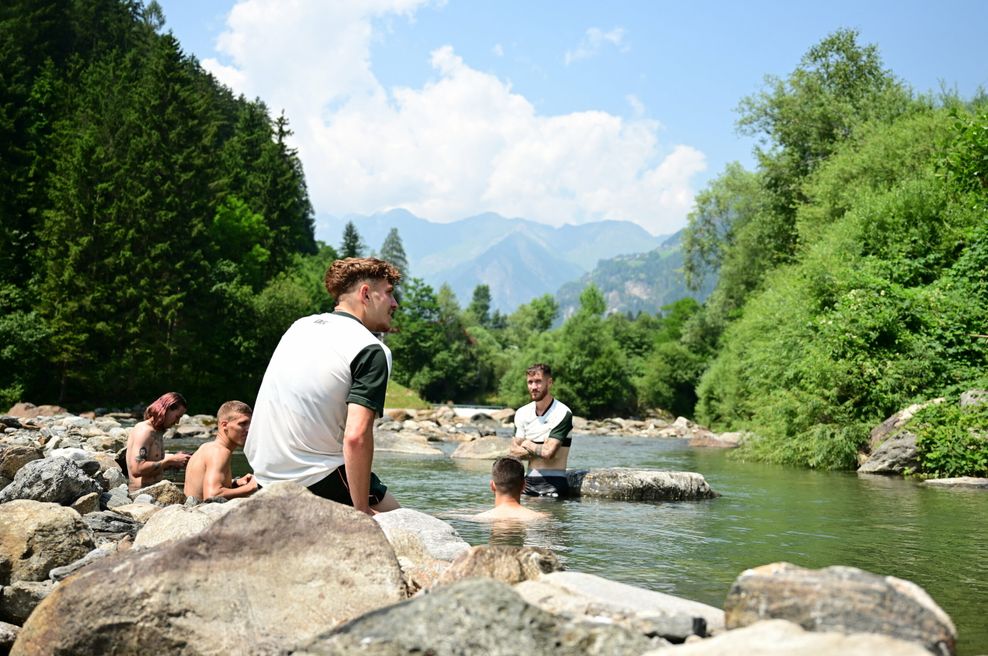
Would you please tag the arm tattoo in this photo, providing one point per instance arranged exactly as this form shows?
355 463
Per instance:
142 455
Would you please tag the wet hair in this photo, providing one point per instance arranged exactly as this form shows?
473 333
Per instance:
233 408
344 275
508 475
155 413
540 367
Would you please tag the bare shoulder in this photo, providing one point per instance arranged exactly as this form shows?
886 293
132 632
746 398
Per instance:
141 433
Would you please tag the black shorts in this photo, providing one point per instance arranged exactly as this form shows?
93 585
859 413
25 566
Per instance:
335 488
546 486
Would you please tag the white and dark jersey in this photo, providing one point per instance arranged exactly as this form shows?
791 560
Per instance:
322 363
557 422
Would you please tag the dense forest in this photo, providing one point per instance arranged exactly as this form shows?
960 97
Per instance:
156 234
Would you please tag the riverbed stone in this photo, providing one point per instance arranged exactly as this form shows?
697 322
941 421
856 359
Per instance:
483 448
843 599
283 566
974 397
782 638
405 442
424 545
56 480
712 440
639 485
109 528
59 573
164 492
114 497
20 597
13 458
26 410
37 536
177 522
86 504
581 596
882 431
893 456
8 634
505 563
140 512
475 617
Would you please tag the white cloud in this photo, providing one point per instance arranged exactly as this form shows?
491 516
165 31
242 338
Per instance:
462 144
593 41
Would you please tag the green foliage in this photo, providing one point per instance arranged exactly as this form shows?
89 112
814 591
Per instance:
951 440
479 310
393 251
967 160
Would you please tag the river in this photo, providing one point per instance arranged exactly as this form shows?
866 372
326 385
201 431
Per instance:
937 538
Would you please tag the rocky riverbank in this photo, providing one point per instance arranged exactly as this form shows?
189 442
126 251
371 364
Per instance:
277 573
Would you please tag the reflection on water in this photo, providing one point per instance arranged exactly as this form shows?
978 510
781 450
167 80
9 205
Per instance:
937 538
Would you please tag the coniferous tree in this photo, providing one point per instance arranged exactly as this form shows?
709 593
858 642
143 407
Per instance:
393 251
352 245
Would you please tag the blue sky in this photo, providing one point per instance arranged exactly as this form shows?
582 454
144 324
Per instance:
560 112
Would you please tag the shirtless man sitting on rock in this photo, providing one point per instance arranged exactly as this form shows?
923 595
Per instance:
146 457
507 483
208 474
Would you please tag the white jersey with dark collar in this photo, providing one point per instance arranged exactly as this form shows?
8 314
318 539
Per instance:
556 423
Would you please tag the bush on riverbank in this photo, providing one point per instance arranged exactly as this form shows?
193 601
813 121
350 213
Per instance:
952 440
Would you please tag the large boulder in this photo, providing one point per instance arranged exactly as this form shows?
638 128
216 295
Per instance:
893 456
283 566
25 410
580 596
782 638
505 563
18 599
843 599
56 480
477 617
483 448
639 485
36 537
884 430
425 546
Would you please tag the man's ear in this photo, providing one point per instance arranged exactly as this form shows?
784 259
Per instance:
493 488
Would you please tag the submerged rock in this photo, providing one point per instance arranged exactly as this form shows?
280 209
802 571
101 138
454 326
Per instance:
639 485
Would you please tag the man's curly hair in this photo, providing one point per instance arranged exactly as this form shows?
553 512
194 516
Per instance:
344 275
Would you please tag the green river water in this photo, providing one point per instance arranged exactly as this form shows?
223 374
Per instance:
937 538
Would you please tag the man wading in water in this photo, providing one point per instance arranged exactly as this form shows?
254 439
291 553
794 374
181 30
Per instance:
542 436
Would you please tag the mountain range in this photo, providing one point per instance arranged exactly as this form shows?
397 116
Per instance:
521 259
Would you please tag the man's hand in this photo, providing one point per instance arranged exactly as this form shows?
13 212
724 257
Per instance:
246 482
176 460
516 450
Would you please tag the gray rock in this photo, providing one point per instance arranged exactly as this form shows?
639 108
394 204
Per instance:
117 496
86 504
111 477
282 566
973 398
484 448
477 617
179 522
56 480
20 598
960 481
59 573
639 485
505 563
424 545
893 456
8 634
580 596
717 440
36 537
108 526
842 599
882 431
782 638
404 442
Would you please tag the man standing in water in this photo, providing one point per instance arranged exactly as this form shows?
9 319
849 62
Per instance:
314 417
542 431
146 457
209 473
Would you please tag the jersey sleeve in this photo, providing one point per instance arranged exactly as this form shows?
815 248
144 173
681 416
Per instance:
369 374
561 430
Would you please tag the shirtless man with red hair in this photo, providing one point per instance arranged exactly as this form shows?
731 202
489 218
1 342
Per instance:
146 457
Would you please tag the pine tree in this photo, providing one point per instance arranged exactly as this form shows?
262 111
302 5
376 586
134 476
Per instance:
393 251
352 245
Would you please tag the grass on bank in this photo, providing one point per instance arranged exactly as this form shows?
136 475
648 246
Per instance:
400 396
